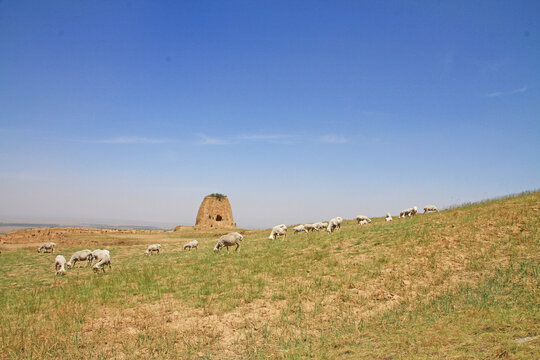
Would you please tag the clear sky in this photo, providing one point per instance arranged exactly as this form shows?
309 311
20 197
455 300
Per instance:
297 110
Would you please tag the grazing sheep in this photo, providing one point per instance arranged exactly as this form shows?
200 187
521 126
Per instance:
363 222
278 230
319 226
98 254
59 263
228 240
406 212
152 248
299 228
388 217
103 258
309 227
428 208
95 254
80 256
47 246
409 212
334 224
362 218
192 245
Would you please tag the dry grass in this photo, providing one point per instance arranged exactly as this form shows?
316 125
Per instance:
458 284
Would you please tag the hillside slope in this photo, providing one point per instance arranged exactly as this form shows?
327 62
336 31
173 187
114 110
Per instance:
458 284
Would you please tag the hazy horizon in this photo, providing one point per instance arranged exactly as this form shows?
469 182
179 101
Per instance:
70 221
298 111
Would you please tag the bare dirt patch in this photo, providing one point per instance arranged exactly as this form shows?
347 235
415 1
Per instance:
189 326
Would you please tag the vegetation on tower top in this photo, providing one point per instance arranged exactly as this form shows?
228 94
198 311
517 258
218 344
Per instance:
218 196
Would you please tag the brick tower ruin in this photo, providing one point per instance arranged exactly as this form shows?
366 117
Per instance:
215 213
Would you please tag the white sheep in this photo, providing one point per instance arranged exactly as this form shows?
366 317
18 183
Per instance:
80 256
363 222
299 228
59 264
152 248
103 257
319 226
309 227
388 217
414 211
227 240
192 245
428 208
362 218
278 230
334 224
95 254
47 246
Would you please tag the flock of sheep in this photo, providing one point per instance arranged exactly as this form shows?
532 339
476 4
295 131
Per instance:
103 257
100 258
335 223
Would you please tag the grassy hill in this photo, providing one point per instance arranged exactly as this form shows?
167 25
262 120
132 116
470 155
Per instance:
459 284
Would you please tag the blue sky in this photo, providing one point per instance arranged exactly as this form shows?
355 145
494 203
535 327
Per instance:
299 111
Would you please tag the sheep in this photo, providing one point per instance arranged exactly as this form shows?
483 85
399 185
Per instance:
319 226
430 208
278 230
299 228
334 224
152 248
103 258
409 212
192 245
80 256
406 212
227 240
362 218
388 217
95 254
46 246
363 222
59 263
309 227
283 226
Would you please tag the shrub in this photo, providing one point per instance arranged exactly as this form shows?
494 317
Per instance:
218 196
